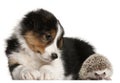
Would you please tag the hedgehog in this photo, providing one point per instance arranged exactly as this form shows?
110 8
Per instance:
96 67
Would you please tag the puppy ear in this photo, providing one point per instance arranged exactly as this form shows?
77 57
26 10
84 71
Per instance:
61 28
60 43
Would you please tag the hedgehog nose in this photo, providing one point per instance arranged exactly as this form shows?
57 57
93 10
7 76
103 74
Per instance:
100 78
54 56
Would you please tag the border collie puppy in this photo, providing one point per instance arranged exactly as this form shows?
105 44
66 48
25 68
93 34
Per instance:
38 51
33 50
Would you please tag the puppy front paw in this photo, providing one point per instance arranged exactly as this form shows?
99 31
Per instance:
51 72
46 75
28 74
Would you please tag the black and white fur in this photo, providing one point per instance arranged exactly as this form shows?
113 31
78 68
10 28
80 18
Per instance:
25 64
75 52
28 65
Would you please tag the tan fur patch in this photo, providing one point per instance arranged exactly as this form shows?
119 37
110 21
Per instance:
12 61
36 42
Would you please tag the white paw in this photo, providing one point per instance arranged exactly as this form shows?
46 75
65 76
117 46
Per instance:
46 74
27 74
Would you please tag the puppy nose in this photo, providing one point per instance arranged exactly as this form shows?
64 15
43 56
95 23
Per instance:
54 56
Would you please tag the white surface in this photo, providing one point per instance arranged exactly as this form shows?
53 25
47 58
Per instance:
97 21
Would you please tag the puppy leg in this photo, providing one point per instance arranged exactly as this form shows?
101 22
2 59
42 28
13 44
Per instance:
49 72
24 73
46 73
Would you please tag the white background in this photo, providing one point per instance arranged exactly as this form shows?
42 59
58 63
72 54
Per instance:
96 21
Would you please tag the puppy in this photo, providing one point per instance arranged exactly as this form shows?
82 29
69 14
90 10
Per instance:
33 50
37 50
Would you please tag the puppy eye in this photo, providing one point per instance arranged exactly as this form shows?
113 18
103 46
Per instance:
47 37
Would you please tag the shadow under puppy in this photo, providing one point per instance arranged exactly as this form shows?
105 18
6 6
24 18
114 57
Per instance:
37 50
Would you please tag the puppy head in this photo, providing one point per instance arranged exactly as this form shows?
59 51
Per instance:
43 34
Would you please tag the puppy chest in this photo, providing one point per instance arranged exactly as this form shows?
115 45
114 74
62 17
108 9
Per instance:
26 60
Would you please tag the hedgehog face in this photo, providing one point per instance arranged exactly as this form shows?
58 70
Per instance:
96 67
99 75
